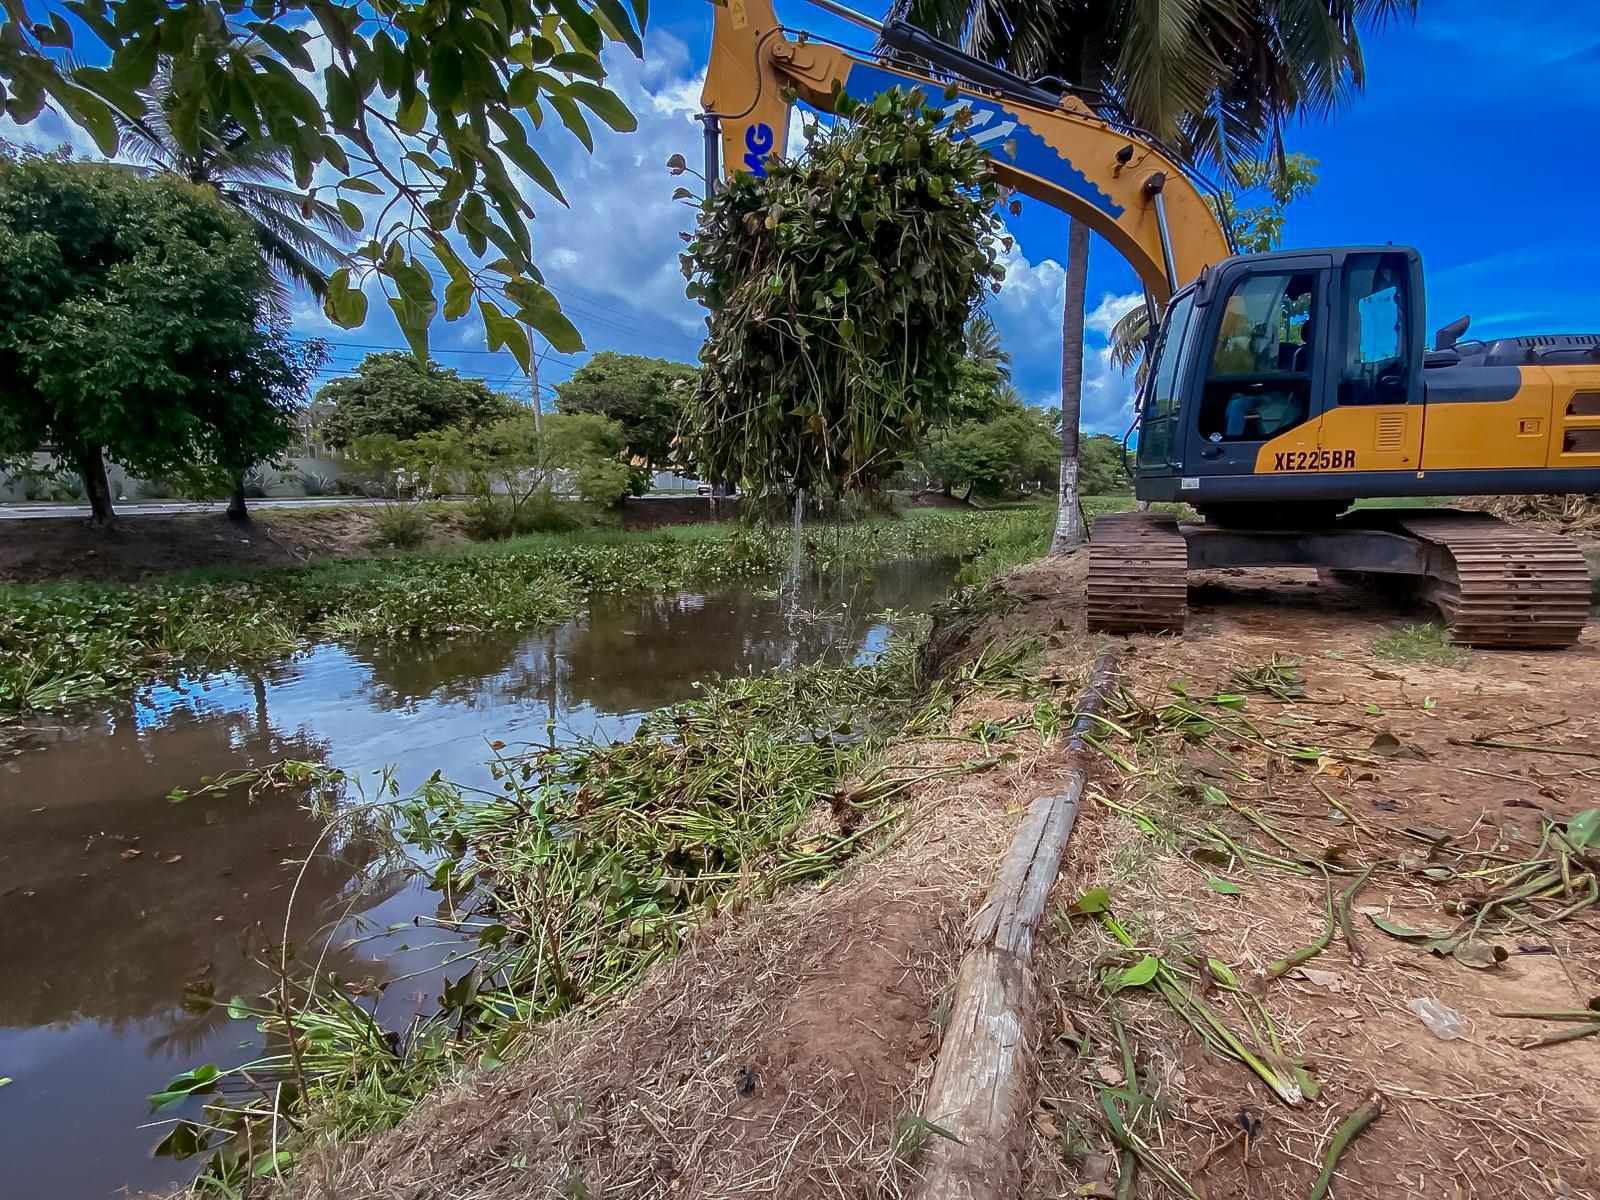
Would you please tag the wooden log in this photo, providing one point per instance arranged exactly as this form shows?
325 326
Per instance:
985 1074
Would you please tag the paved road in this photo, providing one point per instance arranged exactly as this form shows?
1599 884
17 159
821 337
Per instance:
163 508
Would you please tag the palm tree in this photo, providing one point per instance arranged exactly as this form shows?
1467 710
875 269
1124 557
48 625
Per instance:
984 346
300 234
1214 78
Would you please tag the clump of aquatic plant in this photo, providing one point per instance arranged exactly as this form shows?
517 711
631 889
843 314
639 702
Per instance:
839 287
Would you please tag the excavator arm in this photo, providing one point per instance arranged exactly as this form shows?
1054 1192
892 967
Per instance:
1056 150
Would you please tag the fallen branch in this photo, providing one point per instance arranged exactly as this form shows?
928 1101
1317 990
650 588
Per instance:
981 1090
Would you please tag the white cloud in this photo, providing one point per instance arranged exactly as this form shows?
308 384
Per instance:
1110 310
1028 312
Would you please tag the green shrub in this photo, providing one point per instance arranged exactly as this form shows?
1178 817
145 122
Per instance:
403 526
493 518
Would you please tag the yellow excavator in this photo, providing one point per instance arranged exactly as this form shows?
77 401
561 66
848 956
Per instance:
1281 388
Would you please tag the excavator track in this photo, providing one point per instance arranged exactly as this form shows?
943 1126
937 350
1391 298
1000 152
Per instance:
1138 574
1502 585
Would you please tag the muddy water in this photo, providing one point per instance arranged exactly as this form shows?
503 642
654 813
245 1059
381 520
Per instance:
121 911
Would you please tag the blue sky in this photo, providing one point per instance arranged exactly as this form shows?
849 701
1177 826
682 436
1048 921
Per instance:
1473 141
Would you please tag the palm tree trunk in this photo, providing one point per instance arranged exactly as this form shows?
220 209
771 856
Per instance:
1069 522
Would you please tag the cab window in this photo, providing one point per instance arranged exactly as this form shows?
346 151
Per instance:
1376 366
1259 380
1158 424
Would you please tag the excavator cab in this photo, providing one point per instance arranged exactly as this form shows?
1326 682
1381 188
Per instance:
1285 378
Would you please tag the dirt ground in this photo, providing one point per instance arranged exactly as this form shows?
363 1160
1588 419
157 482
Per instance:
44 549
786 1052
1442 780
34 551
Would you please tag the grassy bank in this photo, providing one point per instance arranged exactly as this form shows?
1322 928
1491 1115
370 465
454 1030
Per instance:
68 643
584 867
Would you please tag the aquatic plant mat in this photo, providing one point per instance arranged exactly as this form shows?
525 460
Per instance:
1330 924
68 644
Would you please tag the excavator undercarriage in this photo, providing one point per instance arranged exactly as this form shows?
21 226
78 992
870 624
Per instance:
1496 585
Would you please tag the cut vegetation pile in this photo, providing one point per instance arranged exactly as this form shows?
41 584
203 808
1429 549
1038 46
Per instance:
1575 515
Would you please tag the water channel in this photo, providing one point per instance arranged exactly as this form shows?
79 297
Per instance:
114 900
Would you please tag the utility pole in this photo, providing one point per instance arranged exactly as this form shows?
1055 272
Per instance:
533 382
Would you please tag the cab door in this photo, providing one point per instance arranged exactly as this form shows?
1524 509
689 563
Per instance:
1261 376
1160 448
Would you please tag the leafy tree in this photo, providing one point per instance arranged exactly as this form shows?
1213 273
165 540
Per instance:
646 396
392 393
130 326
840 286
1103 471
1216 78
427 107
1016 445
1256 228
302 236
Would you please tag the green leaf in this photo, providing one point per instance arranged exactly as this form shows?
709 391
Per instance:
446 75
238 1009
1095 900
572 117
414 281
413 115
349 213
504 333
1584 829
458 294
414 320
91 112
1222 973
345 306
290 45
523 89
180 1087
344 104
577 63
1141 973
614 18
604 105
357 184
1221 886
530 164
1214 795
538 308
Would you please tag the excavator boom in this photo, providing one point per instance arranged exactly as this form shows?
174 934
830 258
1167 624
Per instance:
1110 177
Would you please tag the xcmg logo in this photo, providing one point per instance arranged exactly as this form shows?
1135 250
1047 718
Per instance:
758 141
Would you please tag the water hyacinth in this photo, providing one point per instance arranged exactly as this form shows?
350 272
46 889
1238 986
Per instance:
839 287
64 644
